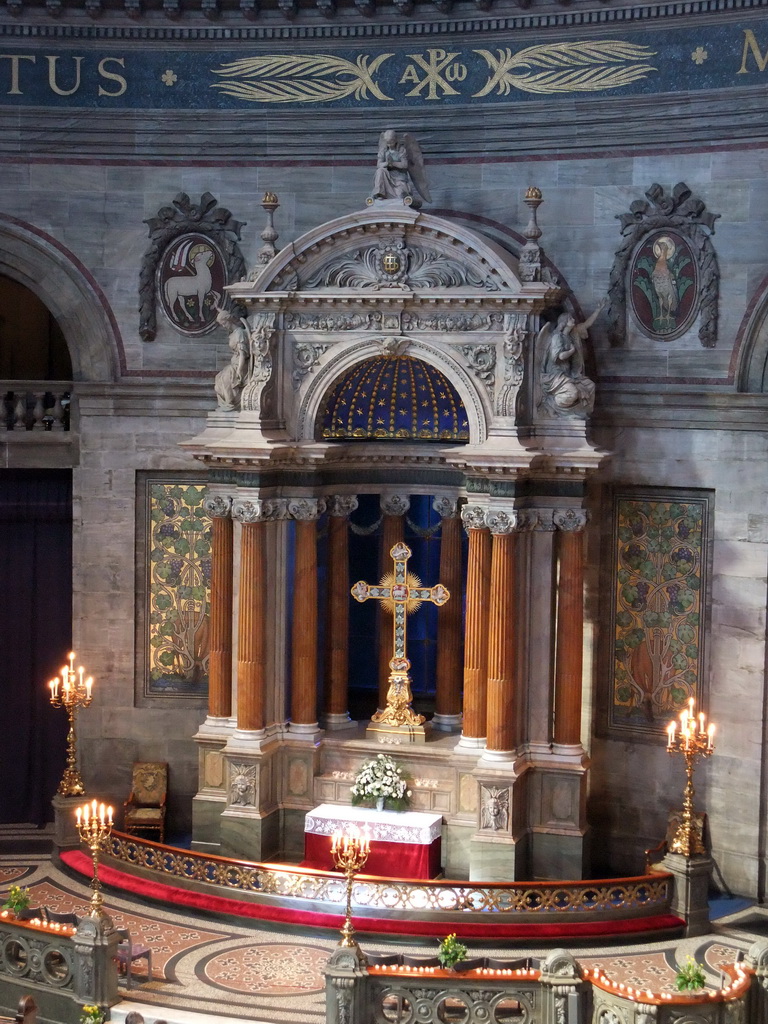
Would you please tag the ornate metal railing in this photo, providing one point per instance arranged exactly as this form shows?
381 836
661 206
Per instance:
595 899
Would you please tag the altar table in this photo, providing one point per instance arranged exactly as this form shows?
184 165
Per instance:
403 844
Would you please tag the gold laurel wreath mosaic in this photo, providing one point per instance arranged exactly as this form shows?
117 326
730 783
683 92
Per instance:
650 894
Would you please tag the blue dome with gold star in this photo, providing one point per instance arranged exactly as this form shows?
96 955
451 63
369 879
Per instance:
396 398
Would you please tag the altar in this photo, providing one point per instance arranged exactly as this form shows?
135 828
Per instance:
404 844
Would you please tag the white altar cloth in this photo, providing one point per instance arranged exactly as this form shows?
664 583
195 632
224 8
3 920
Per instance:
403 844
384 826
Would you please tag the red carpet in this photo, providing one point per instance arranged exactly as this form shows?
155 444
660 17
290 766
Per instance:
493 927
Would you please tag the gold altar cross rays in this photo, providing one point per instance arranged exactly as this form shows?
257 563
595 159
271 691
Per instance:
400 593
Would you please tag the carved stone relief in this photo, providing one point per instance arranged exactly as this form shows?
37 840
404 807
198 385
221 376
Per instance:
481 359
305 357
193 253
666 270
258 390
394 264
494 808
515 333
242 785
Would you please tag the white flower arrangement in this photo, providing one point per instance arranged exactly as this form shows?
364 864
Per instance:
382 778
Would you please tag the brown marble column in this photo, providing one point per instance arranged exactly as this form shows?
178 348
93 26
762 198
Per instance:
570 626
251 634
305 512
476 628
340 507
219 508
447 715
394 507
502 636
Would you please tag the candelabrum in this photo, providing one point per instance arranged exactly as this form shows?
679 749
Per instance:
71 692
350 852
695 739
94 826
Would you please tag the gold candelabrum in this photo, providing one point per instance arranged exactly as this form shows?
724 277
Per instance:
350 852
695 739
71 692
94 826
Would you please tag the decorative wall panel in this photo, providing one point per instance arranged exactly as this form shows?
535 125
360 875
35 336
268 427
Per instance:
660 583
177 558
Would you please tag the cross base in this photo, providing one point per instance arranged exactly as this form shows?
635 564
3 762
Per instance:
396 735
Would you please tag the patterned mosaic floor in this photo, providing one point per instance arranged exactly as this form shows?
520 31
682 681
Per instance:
220 967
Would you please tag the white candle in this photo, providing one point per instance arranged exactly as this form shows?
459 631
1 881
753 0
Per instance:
88 685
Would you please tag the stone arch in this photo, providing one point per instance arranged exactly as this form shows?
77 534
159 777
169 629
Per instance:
57 277
752 345
475 401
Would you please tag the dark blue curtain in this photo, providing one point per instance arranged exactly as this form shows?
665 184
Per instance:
35 637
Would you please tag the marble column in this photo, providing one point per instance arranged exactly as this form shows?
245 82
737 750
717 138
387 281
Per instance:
570 626
447 715
476 628
251 638
219 508
501 705
336 716
305 512
395 508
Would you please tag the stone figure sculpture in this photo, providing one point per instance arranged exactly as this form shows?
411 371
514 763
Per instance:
229 381
494 811
564 384
400 170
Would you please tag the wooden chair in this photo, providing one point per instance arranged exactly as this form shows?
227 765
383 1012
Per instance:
127 952
145 807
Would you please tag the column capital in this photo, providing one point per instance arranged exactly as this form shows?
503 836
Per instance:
570 520
259 510
502 521
218 506
542 520
473 517
446 508
306 510
341 505
395 504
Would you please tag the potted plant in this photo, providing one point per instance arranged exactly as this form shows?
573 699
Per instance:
382 781
17 899
451 952
91 1015
690 977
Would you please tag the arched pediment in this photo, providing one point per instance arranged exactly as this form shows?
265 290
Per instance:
397 250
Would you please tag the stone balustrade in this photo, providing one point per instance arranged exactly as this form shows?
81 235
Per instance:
61 968
36 406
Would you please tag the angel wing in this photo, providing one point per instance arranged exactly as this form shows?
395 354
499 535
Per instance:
416 167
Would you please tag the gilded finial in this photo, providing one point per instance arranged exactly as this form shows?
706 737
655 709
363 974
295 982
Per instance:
532 192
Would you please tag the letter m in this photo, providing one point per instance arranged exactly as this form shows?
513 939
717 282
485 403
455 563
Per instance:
750 43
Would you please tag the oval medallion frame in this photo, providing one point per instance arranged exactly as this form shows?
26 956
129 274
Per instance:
191 276
663 285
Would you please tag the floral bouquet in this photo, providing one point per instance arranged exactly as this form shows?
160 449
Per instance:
91 1015
382 780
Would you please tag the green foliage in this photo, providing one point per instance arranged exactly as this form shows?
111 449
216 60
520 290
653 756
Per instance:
91 1015
17 899
451 952
690 976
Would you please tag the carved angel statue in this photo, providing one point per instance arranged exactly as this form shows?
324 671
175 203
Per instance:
564 383
400 170
494 811
229 381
